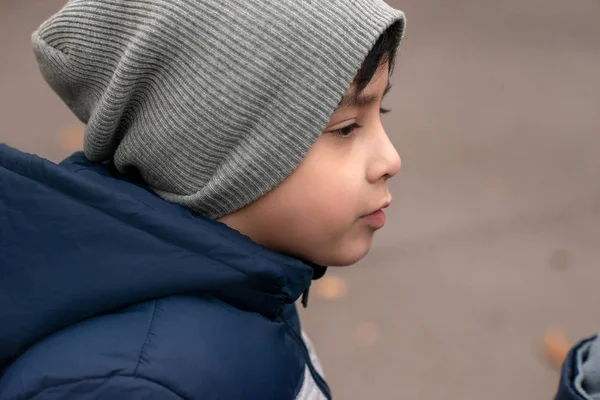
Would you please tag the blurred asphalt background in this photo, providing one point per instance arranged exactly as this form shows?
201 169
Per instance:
494 235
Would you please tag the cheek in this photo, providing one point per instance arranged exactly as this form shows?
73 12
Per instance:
316 210
328 187
330 198
325 228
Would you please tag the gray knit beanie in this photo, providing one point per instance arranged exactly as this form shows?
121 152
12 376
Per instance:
214 102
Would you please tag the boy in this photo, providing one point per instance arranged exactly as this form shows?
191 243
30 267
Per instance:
232 149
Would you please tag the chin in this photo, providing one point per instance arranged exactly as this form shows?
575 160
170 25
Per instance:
349 255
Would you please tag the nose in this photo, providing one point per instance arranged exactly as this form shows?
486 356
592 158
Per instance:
386 162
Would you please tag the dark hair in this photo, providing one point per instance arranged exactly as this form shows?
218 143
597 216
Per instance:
384 51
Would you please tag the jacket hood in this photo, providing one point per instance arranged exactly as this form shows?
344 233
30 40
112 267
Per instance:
79 239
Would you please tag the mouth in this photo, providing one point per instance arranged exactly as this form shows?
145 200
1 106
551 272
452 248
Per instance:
376 219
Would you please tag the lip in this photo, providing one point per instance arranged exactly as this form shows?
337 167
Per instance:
377 218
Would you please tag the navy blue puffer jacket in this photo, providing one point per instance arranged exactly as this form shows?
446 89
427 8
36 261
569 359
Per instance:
109 292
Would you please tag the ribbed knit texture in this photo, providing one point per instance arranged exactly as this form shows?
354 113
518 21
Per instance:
214 102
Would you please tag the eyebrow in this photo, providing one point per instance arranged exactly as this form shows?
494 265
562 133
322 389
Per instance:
362 100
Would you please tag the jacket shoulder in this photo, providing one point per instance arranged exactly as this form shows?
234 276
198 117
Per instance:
192 347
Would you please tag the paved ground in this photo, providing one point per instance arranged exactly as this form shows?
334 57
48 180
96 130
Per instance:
494 235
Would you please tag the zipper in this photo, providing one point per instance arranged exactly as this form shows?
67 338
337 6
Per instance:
323 387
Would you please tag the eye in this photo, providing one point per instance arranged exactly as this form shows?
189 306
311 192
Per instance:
347 130
384 110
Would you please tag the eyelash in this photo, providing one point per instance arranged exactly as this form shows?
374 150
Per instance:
348 130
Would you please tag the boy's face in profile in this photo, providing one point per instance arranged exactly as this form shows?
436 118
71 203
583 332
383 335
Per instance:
319 212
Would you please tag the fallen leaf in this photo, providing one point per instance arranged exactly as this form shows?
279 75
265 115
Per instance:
330 287
71 137
367 333
555 347
560 259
